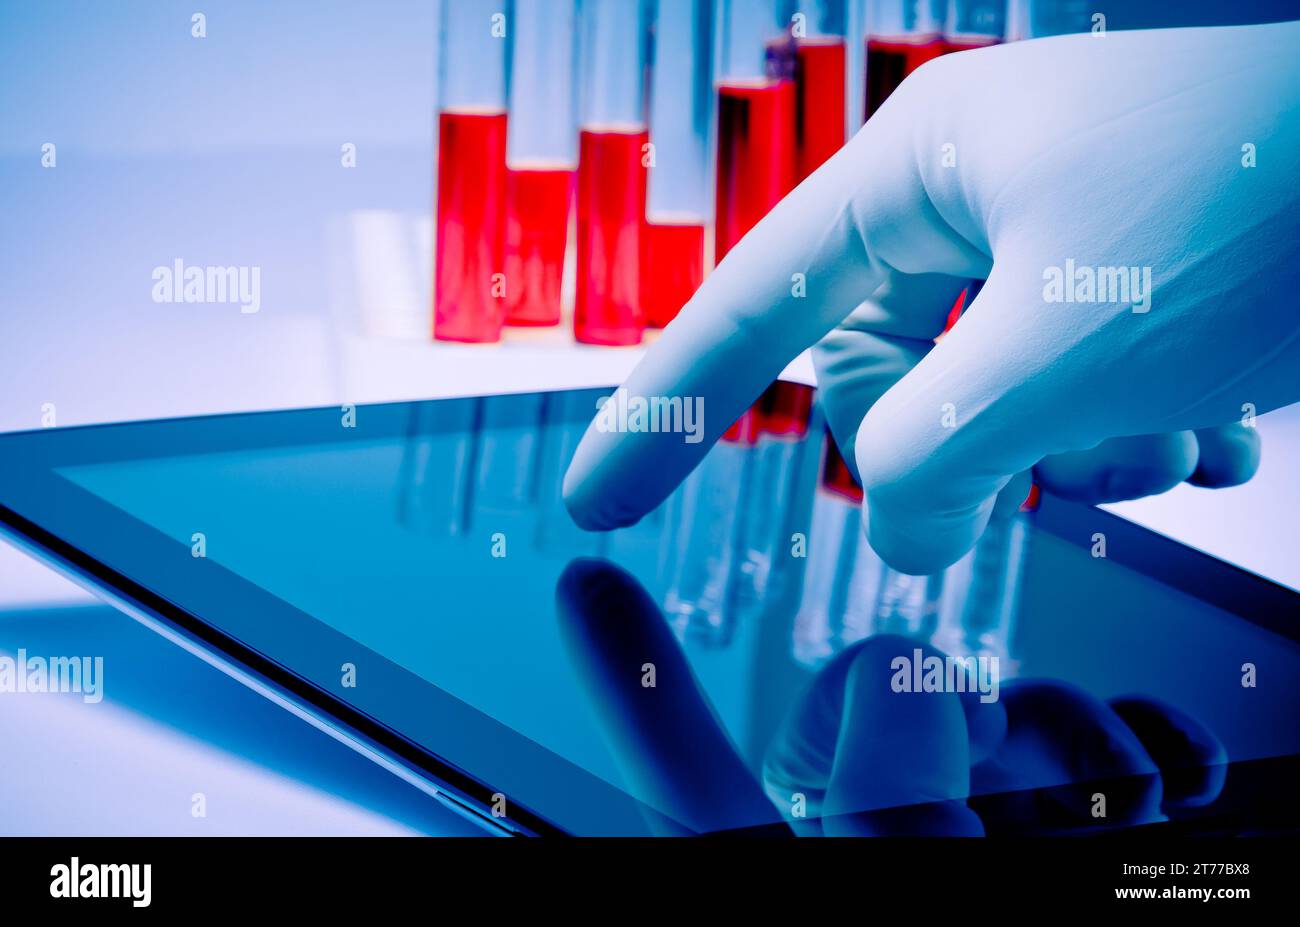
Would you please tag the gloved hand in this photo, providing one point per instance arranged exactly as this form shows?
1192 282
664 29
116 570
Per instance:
1015 165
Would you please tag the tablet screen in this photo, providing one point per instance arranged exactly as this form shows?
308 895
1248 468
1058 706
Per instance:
433 535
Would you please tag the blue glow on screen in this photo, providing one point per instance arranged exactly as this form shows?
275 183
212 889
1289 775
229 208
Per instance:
318 527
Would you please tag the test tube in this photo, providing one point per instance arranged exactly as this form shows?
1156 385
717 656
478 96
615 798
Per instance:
756 107
541 158
677 193
901 36
974 24
612 146
1034 19
820 82
786 409
1017 26
470 236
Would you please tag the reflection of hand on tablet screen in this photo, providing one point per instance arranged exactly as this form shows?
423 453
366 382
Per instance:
854 756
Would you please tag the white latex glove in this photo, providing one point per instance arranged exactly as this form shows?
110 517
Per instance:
1118 150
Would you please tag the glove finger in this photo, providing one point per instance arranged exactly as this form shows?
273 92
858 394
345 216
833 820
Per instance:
797 274
1229 455
880 341
1121 468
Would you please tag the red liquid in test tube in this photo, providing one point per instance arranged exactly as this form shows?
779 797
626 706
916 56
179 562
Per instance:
756 157
819 120
782 415
677 197
541 157
959 43
468 305
836 475
890 60
672 269
537 228
787 409
611 210
783 410
746 429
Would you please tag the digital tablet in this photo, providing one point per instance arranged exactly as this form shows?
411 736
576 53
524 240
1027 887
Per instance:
405 575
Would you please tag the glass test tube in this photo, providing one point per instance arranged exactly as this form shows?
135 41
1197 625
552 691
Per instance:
756 106
901 36
1035 19
677 194
1017 25
974 24
541 157
820 83
470 235
611 173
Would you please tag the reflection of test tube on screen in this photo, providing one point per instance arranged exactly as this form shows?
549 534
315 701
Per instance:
782 415
980 593
843 577
565 416
541 157
909 605
755 135
470 234
726 516
974 24
820 82
677 200
435 481
703 516
510 427
611 173
978 613
868 596
901 36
